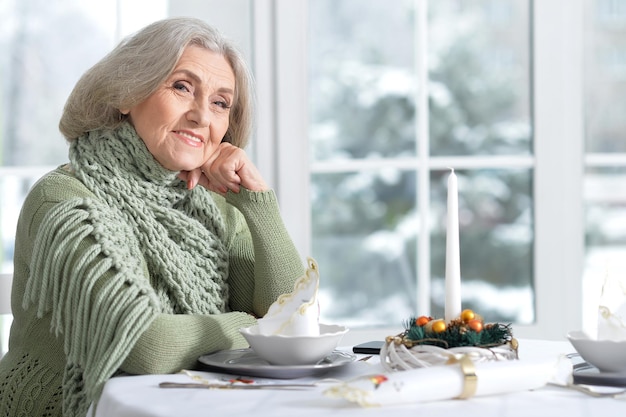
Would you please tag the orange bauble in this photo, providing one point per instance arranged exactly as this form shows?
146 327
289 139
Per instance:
475 325
422 320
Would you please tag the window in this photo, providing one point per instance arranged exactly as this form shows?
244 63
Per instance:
49 46
389 111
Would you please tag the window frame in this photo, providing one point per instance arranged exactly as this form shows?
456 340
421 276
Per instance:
557 74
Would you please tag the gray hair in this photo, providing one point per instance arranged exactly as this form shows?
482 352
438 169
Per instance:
132 71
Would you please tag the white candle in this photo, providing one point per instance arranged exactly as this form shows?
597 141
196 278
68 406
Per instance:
453 258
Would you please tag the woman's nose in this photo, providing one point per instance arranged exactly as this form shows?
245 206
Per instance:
199 113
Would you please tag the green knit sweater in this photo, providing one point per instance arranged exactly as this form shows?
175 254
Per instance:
262 264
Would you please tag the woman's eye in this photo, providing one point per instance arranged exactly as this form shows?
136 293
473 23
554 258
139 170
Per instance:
222 104
181 86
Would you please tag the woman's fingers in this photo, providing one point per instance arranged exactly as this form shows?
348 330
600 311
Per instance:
191 177
251 178
229 168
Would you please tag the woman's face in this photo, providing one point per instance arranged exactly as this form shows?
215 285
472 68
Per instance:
185 119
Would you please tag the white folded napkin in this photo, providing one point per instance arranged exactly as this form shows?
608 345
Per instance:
450 381
296 313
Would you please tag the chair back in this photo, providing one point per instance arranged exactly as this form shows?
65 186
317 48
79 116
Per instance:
5 293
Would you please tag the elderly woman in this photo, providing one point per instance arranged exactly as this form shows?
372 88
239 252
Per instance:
158 240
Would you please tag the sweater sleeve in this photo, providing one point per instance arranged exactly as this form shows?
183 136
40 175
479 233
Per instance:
264 262
175 341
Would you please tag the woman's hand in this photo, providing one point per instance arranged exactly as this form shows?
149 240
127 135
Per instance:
228 168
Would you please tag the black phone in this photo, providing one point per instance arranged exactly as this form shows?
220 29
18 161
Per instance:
369 348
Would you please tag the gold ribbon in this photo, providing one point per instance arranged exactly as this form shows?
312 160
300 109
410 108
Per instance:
470 380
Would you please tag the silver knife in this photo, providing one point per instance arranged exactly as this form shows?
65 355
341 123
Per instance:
234 386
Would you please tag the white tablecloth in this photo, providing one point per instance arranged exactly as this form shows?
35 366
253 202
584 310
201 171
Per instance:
140 396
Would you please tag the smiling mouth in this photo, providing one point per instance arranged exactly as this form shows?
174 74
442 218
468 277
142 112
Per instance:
190 136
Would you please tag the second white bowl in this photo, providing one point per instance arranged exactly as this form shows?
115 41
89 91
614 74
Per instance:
606 355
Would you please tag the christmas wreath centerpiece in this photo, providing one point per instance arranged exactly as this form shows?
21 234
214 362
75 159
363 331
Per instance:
427 341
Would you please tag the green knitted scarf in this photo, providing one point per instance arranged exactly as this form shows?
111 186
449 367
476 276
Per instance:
91 255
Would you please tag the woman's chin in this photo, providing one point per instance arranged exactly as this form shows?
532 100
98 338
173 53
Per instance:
181 166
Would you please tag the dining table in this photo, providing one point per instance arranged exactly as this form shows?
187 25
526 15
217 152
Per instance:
164 396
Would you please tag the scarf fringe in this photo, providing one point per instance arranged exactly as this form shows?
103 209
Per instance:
99 300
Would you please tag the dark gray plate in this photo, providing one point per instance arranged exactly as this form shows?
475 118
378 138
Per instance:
244 362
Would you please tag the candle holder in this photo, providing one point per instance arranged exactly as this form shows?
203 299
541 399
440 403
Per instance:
428 342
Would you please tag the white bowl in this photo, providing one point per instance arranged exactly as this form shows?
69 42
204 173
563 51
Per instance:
606 355
294 350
